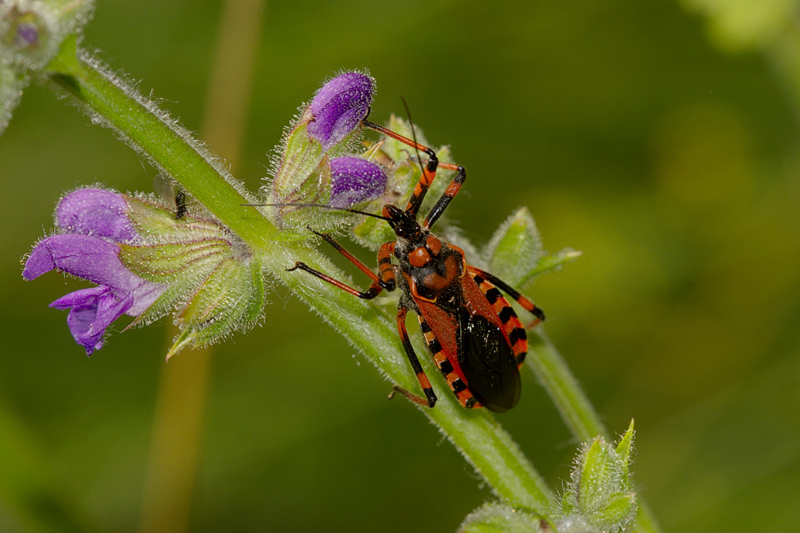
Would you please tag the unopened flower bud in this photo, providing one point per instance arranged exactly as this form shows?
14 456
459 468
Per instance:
599 493
355 180
339 107
31 33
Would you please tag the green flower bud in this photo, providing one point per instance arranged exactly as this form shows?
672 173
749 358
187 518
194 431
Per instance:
599 495
31 33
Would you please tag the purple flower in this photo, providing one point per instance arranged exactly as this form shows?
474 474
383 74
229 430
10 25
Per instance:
96 221
355 180
339 107
27 34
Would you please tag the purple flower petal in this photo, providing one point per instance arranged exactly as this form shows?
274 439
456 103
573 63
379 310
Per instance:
339 107
96 212
355 180
84 256
91 312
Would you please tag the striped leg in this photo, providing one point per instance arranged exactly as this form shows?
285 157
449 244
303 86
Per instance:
521 299
512 326
385 281
430 397
428 175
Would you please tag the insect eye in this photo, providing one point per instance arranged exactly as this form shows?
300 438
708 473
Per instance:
419 257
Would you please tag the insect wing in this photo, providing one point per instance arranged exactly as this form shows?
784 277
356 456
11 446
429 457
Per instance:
488 362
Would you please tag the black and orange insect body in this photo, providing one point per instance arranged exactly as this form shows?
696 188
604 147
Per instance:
476 339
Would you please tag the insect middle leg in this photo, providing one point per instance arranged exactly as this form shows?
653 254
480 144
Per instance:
386 280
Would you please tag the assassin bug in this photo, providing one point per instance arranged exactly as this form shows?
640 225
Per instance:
476 339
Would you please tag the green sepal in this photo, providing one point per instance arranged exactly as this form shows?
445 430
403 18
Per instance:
169 262
596 477
624 448
231 297
620 510
515 252
300 159
154 221
500 518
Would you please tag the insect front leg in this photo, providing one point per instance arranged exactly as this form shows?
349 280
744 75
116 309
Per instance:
427 177
430 397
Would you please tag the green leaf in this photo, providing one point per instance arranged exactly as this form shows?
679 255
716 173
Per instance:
549 262
515 252
515 248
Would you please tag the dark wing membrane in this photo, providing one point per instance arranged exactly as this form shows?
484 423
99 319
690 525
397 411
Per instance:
488 362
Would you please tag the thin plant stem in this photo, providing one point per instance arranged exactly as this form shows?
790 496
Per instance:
178 427
577 412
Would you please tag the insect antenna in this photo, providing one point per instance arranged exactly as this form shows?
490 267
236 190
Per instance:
413 136
321 206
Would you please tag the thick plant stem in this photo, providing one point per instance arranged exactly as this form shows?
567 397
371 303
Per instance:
166 144
475 433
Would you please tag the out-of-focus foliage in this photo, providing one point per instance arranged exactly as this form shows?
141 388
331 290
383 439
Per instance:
628 133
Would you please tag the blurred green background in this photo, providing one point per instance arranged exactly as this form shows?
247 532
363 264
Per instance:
660 140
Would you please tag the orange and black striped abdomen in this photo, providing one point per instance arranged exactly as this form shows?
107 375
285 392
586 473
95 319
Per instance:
440 329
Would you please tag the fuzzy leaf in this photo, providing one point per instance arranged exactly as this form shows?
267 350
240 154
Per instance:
515 252
516 248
